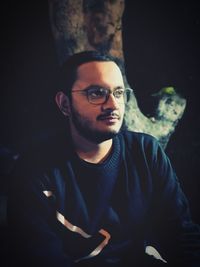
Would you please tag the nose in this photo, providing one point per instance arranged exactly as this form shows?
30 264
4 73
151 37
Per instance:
111 103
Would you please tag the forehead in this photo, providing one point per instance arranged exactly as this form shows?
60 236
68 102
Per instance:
104 73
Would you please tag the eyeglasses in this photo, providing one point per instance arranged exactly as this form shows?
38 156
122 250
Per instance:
99 95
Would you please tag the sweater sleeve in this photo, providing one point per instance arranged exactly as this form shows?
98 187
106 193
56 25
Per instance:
32 239
178 235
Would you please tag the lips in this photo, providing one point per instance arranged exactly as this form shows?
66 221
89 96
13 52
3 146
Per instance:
110 117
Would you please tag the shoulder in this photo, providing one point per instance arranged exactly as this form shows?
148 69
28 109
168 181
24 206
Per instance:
141 145
42 154
138 139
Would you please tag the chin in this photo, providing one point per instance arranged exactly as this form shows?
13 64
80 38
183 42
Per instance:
101 136
97 134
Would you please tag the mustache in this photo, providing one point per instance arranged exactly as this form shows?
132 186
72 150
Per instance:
108 114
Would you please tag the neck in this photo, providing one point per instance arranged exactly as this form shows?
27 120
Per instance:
90 151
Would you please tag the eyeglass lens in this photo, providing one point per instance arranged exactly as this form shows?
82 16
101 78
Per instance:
101 95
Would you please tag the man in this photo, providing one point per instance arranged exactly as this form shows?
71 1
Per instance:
97 195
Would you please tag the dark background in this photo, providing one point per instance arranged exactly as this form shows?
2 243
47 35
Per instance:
161 47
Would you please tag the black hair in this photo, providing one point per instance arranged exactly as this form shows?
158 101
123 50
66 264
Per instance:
68 71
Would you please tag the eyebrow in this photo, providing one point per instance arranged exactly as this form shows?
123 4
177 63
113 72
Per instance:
101 86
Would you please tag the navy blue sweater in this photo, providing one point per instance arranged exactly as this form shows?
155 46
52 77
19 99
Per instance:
58 220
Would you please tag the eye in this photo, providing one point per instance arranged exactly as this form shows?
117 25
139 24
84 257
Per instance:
119 93
97 92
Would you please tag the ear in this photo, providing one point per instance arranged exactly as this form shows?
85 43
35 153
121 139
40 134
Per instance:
63 103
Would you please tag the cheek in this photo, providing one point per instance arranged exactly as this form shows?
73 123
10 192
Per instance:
78 106
86 110
122 109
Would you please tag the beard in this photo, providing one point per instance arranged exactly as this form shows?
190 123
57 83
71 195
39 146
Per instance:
84 128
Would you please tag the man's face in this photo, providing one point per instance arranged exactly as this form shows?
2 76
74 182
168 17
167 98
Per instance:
100 122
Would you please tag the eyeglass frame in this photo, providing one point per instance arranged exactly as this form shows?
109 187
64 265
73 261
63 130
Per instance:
108 90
